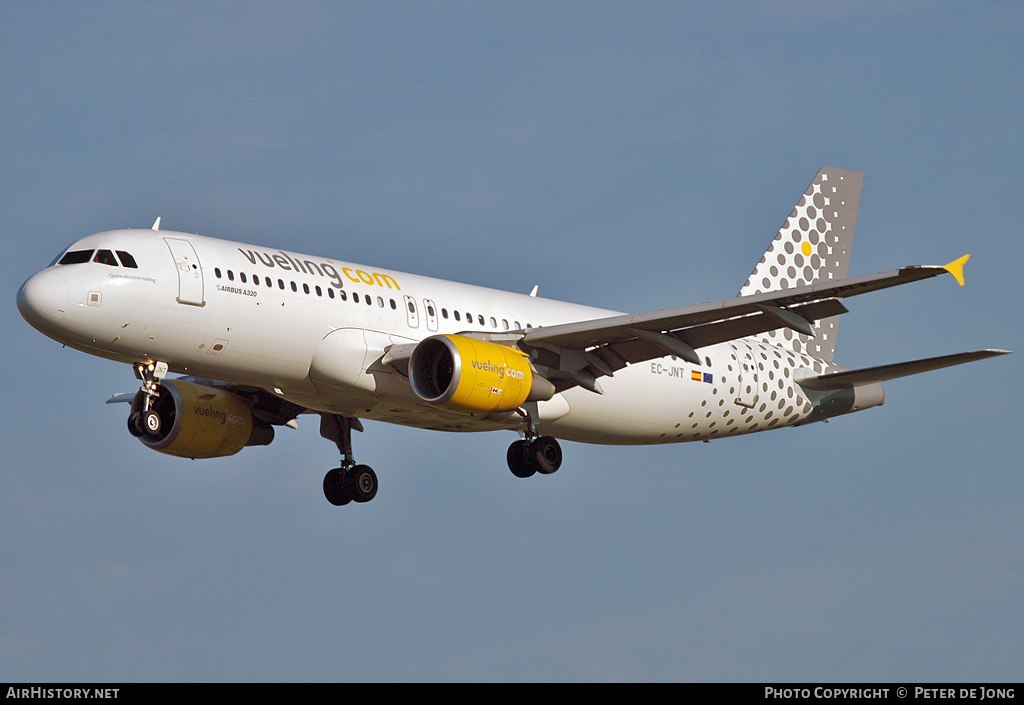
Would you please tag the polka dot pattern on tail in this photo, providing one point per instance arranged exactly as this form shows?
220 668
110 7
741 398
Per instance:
812 245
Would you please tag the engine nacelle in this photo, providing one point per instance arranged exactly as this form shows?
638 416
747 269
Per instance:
474 376
198 421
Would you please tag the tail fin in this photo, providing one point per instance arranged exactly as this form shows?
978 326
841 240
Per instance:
813 244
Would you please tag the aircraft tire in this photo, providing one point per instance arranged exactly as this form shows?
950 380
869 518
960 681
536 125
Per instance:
545 454
135 424
518 457
362 483
335 488
151 422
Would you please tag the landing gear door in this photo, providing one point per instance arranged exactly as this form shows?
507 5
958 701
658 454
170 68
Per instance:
190 273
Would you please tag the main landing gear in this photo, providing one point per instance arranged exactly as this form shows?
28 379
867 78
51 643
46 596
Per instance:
358 483
527 457
350 482
533 454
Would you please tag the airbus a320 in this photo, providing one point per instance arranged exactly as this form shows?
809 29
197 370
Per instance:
257 336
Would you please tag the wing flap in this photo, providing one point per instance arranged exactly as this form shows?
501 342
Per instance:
642 348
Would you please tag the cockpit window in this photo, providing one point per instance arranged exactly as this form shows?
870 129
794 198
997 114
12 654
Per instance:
105 257
127 260
76 257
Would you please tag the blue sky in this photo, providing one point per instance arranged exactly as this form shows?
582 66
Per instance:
628 155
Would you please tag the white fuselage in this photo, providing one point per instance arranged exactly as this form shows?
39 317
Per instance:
314 331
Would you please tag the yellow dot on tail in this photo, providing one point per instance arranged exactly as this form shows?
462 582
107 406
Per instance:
807 249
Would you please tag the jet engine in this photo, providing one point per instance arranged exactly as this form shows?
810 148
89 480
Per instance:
474 376
192 420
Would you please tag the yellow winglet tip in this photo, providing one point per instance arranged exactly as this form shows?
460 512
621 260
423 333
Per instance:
956 268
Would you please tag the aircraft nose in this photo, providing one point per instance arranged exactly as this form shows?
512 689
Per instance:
43 299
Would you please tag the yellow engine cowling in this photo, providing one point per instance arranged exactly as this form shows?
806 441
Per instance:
198 421
474 376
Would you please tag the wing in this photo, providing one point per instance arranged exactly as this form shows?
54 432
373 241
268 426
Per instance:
577 354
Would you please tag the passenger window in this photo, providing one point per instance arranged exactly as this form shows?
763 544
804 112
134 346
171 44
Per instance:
494 323
241 275
216 271
231 276
294 288
330 292
305 288
318 291
504 324
127 260
76 257
355 297
280 284
105 257
394 306
480 318
380 301
457 317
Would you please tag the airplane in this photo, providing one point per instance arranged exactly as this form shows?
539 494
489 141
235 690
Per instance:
260 336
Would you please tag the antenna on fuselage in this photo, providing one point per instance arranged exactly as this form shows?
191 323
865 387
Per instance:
156 225
534 292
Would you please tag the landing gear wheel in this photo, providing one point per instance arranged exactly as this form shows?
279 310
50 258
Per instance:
151 422
545 454
144 420
135 424
335 488
362 483
350 482
518 457
542 454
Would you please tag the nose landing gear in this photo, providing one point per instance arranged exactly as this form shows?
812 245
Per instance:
143 419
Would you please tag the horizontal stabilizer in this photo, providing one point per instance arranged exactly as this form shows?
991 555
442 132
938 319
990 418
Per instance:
869 375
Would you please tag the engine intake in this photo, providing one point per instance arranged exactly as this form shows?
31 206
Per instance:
474 376
199 421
